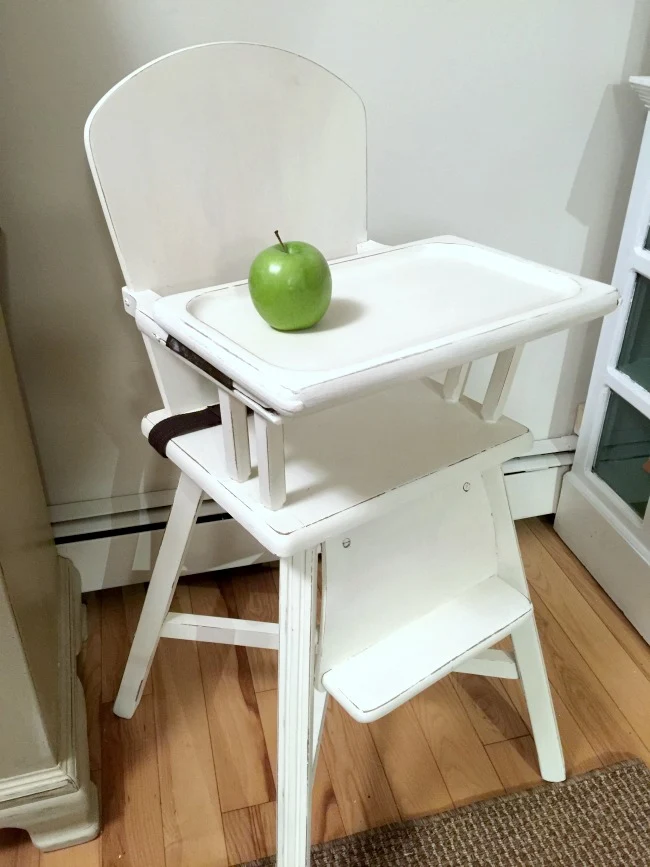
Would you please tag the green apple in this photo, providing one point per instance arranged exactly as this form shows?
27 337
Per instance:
291 285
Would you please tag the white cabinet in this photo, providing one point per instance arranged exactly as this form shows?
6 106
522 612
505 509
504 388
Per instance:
603 511
44 778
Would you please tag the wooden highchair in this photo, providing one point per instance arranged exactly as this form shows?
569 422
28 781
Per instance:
352 439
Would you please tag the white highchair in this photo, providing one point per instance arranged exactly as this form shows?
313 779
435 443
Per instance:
337 440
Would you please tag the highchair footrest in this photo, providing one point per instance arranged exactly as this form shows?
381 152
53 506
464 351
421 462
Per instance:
390 672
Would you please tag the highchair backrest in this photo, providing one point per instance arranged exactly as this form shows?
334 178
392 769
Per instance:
201 154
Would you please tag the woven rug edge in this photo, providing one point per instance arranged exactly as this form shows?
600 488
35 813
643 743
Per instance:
455 812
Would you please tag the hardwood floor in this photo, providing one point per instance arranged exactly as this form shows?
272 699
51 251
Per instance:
190 780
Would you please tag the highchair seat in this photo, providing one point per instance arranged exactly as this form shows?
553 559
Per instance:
345 465
396 313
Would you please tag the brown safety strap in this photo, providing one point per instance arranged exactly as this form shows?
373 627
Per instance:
189 422
183 423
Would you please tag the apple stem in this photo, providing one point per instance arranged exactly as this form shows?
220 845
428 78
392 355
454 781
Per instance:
282 244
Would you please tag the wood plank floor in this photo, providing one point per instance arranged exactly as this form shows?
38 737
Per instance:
190 780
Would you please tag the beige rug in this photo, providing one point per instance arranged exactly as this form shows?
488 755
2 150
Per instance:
601 818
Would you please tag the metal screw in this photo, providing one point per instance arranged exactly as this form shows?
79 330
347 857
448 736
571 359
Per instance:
466 487
346 543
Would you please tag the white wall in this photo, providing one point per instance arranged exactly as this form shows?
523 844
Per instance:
505 121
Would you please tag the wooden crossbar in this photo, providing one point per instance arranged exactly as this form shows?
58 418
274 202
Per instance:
491 663
455 382
221 630
501 380
235 436
270 463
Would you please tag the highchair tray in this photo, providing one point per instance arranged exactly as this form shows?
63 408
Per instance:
395 314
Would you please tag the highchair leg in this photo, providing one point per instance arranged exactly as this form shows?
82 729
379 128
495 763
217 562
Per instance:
525 639
297 651
534 680
159 595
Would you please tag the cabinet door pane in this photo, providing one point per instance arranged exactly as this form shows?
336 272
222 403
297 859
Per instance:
623 455
634 358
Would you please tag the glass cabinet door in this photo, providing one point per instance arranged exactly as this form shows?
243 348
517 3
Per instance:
634 357
623 454
622 457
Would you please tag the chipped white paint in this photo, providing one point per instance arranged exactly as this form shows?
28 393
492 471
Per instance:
296 752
